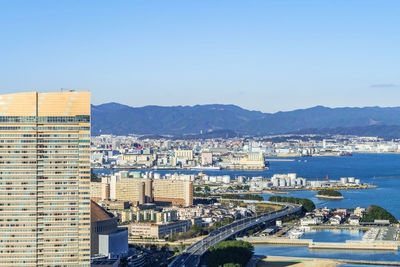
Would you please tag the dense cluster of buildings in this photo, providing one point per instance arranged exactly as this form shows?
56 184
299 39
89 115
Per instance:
247 153
132 187
336 217
52 214
291 181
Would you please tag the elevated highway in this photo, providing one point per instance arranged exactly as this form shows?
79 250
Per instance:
191 256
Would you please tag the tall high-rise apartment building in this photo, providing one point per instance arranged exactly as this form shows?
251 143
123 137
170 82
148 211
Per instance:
45 179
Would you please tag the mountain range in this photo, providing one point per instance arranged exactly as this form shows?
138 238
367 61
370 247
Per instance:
118 119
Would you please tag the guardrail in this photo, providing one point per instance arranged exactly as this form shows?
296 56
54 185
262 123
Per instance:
191 256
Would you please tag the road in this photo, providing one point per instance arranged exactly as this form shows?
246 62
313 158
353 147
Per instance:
191 256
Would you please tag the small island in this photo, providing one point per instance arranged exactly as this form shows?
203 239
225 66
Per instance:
329 194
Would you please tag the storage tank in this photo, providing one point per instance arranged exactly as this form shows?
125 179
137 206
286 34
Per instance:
226 179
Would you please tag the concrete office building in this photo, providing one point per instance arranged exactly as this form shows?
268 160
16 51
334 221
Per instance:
140 190
173 191
45 179
158 230
128 189
107 238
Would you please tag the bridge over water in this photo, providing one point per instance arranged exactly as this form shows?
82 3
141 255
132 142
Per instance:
191 256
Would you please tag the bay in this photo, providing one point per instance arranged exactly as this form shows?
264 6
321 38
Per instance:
361 166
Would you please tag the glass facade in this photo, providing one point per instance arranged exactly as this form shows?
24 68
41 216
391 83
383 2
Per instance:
44 179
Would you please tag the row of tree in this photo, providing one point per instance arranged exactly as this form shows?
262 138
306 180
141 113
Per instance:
307 204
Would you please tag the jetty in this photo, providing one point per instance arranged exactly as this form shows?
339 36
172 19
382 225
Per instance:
348 245
271 260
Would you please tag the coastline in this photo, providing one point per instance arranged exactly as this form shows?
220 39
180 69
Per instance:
279 261
282 261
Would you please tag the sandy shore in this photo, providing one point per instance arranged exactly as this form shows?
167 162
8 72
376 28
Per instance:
277 261
329 197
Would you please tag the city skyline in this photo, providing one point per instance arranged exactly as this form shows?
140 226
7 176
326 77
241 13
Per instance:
264 55
199 133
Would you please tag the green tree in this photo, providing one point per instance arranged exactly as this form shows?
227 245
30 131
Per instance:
307 204
329 192
235 253
378 213
94 177
232 265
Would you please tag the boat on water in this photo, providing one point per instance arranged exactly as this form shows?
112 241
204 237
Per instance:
210 168
296 233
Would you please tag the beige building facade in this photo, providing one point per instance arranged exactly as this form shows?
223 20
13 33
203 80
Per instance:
45 179
140 190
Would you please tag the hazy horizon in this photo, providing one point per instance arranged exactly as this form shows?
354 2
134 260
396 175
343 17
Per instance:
210 104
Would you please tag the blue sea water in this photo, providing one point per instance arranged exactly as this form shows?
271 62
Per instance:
303 251
333 235
362 166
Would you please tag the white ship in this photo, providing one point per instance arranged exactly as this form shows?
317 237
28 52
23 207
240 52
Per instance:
296 233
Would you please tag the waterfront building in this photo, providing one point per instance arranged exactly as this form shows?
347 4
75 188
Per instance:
253 161
183 157
45 179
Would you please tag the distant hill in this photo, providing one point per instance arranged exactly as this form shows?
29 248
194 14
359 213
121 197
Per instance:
120 119
114 118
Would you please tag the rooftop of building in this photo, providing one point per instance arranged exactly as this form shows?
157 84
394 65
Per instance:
97 213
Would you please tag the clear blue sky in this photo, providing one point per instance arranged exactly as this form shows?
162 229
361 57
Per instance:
262 55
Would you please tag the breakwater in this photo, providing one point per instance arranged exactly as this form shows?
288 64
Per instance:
348 245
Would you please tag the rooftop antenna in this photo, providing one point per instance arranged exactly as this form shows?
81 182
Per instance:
66 90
